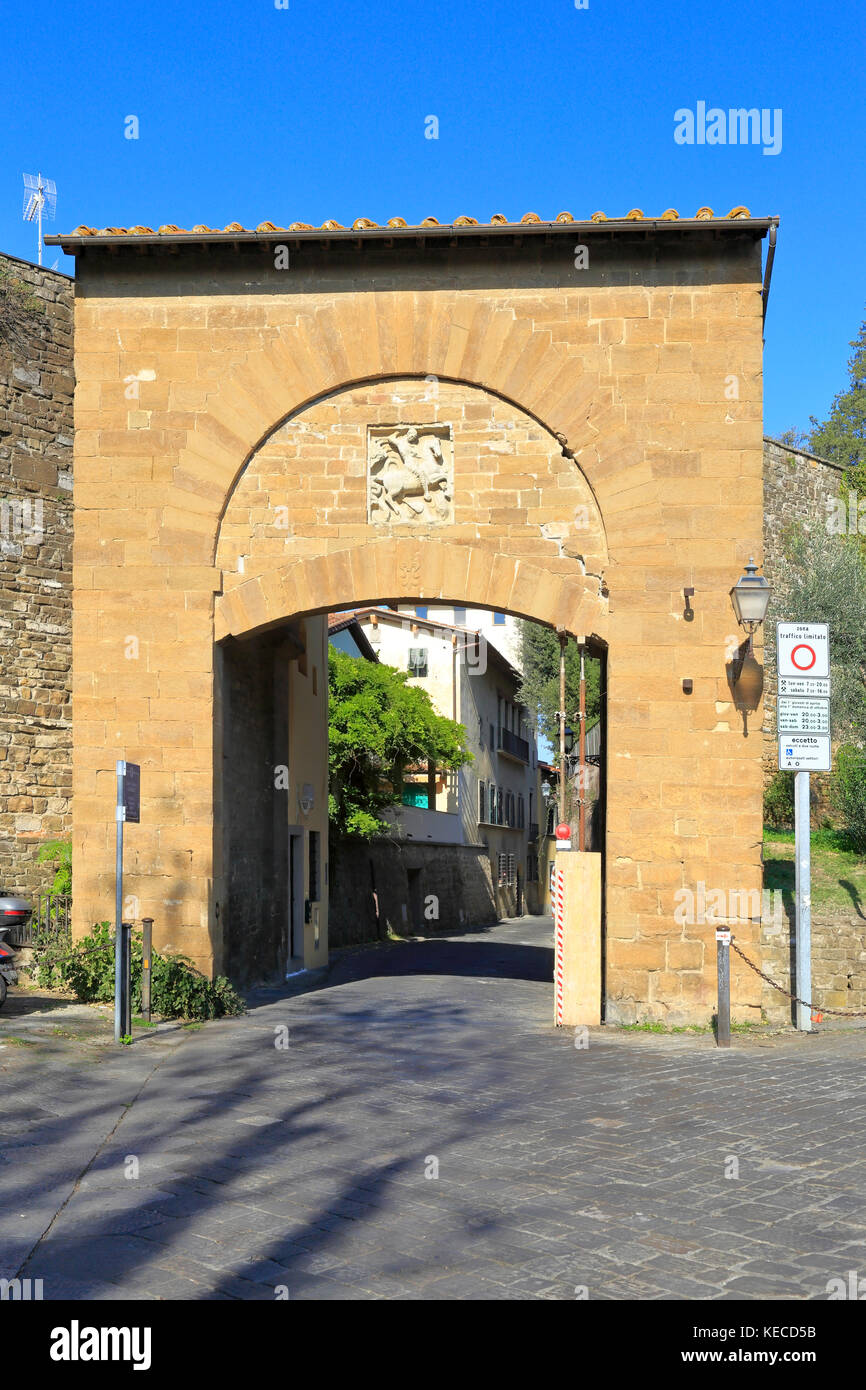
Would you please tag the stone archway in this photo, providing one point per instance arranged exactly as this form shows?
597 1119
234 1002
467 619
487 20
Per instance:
193 370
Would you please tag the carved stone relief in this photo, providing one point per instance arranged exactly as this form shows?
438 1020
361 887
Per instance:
410 474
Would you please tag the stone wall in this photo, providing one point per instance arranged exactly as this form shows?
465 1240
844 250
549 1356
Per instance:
36 385
838 961
415 887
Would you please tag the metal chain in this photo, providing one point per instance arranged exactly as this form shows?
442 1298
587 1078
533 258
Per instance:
813 1008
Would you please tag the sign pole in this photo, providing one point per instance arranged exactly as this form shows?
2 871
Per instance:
118 908
128 809
803 928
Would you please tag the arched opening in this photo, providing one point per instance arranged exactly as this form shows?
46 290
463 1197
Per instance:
337 509
466 850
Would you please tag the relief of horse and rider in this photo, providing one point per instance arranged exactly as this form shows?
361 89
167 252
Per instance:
410 475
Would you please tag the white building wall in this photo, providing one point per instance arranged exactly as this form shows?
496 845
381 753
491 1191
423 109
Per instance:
472 687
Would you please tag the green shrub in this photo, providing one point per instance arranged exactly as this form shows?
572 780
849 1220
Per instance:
178 990
779 801
849 793
58 853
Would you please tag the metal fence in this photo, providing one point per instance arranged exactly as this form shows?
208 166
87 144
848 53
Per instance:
50 918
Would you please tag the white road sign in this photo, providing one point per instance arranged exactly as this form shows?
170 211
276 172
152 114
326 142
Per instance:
797 685
803 649
802 716
804 752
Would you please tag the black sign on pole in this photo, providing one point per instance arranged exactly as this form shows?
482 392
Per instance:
132 792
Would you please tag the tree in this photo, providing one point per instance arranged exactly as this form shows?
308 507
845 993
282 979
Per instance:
842 436
379 726
822 578
539 690
793 438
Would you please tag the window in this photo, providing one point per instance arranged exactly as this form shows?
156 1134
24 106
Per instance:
531 867
421 612
500 806
314 891
503 869
492 737
520 813
482 802
459 617
417 664
499 619
416 794
511 871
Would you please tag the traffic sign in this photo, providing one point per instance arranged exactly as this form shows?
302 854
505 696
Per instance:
804 752
563 836
803 649
799 685
132 792
795 715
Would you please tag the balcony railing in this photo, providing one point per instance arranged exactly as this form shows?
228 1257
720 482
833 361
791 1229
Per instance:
514 745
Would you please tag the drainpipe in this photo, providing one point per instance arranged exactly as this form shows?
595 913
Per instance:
768 270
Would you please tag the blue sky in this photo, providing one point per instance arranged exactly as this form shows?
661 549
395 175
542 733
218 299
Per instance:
248 112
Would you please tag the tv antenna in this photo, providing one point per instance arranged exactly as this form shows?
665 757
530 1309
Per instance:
39 195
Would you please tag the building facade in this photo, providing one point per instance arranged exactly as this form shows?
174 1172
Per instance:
493 800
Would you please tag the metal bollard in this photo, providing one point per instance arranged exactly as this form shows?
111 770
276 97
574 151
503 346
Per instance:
146 946
126 991
723 966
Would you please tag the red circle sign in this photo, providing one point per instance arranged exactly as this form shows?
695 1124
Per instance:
563 832
808 661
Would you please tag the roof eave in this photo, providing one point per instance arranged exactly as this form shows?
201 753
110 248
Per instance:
758 226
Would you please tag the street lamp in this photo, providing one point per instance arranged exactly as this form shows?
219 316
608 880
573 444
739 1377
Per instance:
750 597
569 738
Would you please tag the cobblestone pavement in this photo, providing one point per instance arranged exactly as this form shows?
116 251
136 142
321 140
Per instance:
304 1168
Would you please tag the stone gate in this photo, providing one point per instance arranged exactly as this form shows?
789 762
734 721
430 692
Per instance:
557 420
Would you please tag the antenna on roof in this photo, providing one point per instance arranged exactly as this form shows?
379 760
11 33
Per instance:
39 195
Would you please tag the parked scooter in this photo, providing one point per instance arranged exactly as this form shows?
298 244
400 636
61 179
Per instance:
14 913
8 974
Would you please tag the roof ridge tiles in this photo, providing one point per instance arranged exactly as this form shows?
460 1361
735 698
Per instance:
363 224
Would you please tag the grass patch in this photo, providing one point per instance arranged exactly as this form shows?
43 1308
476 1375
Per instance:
838 871
656 1027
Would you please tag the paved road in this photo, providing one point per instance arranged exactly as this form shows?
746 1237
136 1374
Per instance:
307 1168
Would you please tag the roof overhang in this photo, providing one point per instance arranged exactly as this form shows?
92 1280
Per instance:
477 233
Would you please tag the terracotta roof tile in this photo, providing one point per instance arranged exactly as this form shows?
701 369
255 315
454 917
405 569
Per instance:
362 224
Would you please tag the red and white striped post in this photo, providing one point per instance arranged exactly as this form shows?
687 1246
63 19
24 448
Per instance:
558 925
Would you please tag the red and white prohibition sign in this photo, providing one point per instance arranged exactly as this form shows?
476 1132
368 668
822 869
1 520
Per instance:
803 649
